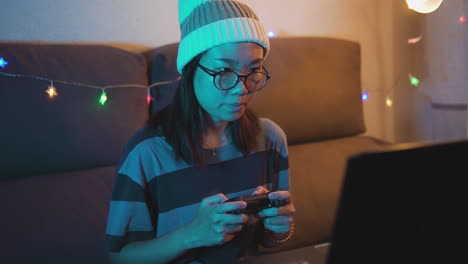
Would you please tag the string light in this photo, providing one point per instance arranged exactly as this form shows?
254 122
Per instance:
462 19
365 96
388 102
413 80
103 98
3 62
51 91
271 34
414 40
149 98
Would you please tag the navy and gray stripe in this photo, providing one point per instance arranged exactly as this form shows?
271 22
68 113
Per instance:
154 194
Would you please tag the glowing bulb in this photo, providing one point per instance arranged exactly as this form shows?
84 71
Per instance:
389 102
462 19
103 98
414 40
148 97
413 80
51 91
271 34
365 97
424 6
3 62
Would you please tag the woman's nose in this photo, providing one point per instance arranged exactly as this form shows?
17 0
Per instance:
241 87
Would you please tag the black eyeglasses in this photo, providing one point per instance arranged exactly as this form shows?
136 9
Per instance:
227 79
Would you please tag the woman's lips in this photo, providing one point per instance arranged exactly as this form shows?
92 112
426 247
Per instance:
235 107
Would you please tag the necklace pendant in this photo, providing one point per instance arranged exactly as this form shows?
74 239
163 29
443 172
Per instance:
213 153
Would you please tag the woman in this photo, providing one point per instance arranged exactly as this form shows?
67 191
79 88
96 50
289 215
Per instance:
169 197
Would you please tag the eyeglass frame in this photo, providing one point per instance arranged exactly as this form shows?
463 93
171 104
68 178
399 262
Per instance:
215 73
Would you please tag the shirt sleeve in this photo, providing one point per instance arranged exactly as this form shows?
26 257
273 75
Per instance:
130 216
276 143
283 162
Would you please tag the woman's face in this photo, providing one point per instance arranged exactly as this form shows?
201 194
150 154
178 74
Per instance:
242 58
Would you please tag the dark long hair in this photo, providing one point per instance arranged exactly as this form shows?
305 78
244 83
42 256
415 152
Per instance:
184 121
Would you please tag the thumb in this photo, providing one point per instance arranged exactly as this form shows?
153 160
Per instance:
215 199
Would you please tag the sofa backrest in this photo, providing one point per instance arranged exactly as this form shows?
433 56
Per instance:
73 131
317 79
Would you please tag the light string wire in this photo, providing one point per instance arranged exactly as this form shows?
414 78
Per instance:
390 93
24 76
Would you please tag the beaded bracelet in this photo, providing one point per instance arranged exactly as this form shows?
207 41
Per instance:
291 232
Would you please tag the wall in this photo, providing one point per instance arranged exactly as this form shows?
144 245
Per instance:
436 109
381 27
411 109
367 22
447 42
148 22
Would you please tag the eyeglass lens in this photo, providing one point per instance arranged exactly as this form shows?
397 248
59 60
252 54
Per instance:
227 80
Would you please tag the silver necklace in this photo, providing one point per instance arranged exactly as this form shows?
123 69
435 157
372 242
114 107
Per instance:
213 150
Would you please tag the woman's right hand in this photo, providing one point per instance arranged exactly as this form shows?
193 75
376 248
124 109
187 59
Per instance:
212 225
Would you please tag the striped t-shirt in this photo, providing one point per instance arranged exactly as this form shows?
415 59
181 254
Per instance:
155 194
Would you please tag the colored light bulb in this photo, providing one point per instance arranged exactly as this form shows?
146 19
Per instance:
414 40
149 98
413 80
462 19
3 62
103 98
51 91
365 97
389 102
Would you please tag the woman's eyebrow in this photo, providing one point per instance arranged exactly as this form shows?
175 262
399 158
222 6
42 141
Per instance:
235 62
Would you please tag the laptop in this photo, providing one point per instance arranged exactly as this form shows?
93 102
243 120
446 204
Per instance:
405 205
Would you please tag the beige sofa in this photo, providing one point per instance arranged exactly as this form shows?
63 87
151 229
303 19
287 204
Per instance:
60 155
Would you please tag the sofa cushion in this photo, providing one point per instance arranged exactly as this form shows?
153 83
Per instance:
314 92
73 130
315 89
56 218
162 68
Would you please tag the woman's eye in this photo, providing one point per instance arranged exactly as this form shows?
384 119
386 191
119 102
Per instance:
256 69
225 70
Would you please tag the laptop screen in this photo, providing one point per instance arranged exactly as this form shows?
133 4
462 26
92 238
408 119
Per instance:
405 205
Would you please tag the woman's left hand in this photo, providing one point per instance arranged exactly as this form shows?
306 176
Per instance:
277 219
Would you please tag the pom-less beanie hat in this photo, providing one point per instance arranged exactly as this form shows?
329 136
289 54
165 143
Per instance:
205 24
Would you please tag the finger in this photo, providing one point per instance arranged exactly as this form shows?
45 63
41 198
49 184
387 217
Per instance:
278 220
230 206
225 228
233 219
227 238
280 195
278 228
233 229
217 228
214 199
269 212
260 190
223 238
288 210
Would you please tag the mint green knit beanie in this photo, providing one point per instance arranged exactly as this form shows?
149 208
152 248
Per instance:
208 23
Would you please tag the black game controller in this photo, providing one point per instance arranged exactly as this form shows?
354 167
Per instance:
255 203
